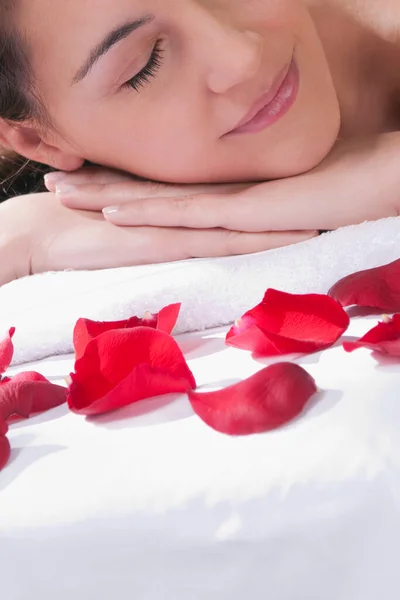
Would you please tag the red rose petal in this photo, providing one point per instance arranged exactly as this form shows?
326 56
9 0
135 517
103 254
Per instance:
29 376
5 451
384 338
123 366
14 402
167 317
291 323
6 351
245 335
44 397
86 330
267 400
373 288
23 397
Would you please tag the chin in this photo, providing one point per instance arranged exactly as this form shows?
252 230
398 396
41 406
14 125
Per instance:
307 159
306 153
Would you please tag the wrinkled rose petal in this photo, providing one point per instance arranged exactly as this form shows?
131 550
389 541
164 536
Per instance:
167 317
5 451
29 376
273 396
286 323
22 395
383 338
6 351
122 366
3 427
45 395
372 288
86 330
246 335
21 398
13 402
26 393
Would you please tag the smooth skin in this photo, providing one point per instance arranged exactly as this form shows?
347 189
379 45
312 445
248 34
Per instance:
333 157
359 178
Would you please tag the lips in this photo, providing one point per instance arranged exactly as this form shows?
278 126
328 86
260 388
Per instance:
273 104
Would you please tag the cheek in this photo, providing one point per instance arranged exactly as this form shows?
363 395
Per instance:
279 14
165 144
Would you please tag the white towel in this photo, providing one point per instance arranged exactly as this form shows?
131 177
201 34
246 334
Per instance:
213 292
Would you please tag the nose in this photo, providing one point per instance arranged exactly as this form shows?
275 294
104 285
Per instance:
233 56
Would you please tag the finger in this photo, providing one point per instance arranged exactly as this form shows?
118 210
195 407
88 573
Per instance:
99 194
274 209
86 175
324 199
197 211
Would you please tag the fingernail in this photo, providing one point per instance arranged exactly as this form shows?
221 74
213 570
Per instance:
54 177
110 210
65 188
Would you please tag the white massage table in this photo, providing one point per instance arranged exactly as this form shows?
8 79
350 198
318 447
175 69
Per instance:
151 504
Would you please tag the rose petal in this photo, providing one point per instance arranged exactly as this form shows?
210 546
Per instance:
23 397
6 351
167 317
267 400
45 395
122 366
29 376
86 330
383 338
5 451
245 335
374 288
290 323
14 401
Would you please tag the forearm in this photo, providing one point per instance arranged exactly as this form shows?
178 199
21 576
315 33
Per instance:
14 247
359 181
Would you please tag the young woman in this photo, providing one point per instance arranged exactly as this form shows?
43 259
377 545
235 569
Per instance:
266 121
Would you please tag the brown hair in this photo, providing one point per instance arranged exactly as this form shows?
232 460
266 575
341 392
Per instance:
18 102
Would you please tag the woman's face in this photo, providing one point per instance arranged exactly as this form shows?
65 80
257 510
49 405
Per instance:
159 87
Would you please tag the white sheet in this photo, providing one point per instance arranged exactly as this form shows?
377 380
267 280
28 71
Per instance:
150 504
213 292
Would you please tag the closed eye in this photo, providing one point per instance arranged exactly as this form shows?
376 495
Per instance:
149 71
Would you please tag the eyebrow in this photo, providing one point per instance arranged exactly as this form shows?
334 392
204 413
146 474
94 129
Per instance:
114 37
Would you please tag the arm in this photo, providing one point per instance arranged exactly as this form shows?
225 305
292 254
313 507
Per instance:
39 234
14 242
358 181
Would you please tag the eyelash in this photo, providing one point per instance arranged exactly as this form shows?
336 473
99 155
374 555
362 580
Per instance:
149 71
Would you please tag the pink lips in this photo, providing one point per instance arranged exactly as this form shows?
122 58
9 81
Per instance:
273 105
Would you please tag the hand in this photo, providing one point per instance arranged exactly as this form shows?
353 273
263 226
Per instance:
90 188
358 181
38 234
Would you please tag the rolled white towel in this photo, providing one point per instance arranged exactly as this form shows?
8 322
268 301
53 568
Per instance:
213 292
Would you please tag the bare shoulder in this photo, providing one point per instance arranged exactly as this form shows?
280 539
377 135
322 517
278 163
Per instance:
380 17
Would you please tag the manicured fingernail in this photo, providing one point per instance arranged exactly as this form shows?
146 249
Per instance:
65 188
110 210
54 177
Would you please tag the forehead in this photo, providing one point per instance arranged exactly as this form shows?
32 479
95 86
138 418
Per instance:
60 33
